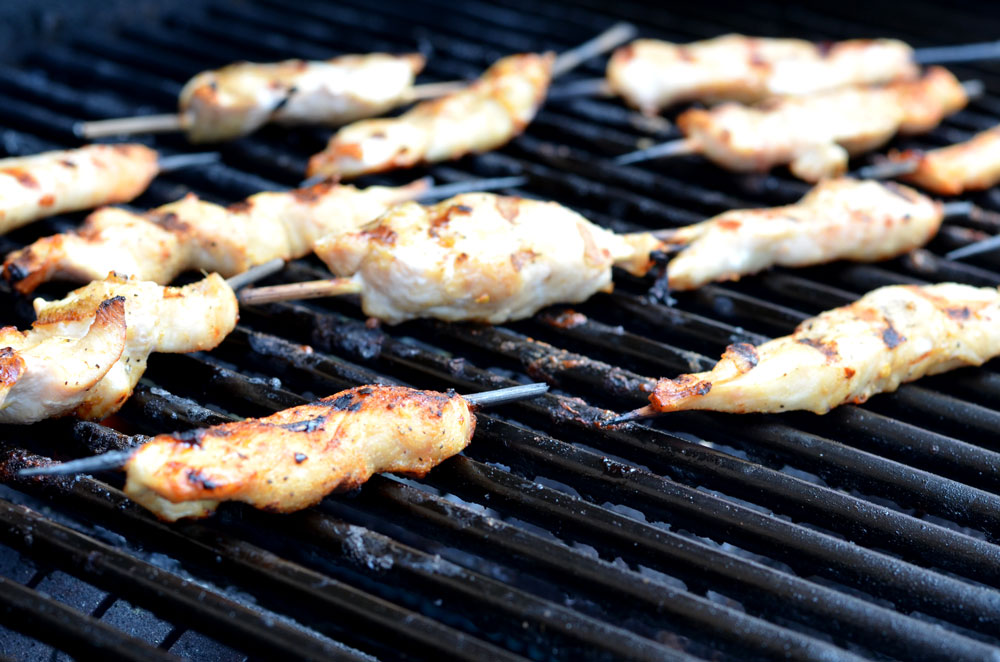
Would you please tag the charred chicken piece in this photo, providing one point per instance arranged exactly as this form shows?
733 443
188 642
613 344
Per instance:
973 165
816 135
865 221
892 335
194 234
480 256
86 352
484 116
292 459
33 187
242 97
652 75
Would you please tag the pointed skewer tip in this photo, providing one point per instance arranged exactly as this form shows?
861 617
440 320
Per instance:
634 415
102 462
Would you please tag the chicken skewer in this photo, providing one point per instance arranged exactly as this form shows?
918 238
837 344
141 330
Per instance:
293 458
892 335
476 256
487 114
192 234
86 352
973 165
50 183
239 99
864 221
816 135
652 75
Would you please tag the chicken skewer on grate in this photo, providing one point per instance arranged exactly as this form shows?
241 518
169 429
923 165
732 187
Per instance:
293 458
815 135
893 335
50 183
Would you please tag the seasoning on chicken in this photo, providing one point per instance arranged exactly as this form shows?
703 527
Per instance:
239 99
652 75
892 335
814 135
865 221
293 458
484 116
33 187
973 165
192 234
86 352
477 257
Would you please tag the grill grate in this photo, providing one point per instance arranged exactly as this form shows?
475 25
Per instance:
867 534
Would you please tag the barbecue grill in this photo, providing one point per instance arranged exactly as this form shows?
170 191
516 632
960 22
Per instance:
870 533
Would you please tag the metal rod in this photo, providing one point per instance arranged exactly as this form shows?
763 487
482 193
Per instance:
471 186
434 90
984 246
128 125
958 208
986 50
85 465
679 147
504 395
973 88
888 169
589 87
614 36
253 274
313 289
178 161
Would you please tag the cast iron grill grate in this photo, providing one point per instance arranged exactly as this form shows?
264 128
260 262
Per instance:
870 533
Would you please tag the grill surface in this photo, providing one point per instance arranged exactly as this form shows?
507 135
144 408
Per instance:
868 533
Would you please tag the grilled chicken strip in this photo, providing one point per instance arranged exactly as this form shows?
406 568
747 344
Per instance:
484 116
973 165
33 187
86 352
194 234
848 219
890 336
49 371
480 256
242 97
816 135
292 459
652 75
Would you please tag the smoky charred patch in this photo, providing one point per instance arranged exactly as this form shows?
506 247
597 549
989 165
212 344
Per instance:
381 234
346 402
11 366
957 313
168 221
743 354
23 177
828 349
193 437
308 425
367 390
891 337
196 477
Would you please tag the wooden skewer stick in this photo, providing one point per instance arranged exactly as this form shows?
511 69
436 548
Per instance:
119 459
253 274
121 126
178 161
313 289
888 169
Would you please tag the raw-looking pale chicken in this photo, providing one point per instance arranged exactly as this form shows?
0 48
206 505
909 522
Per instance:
484 116
239 99
193 234
888 337
973 165
86 352
840 219
48 372
480 256
815 135
293 458
50 183
652 75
